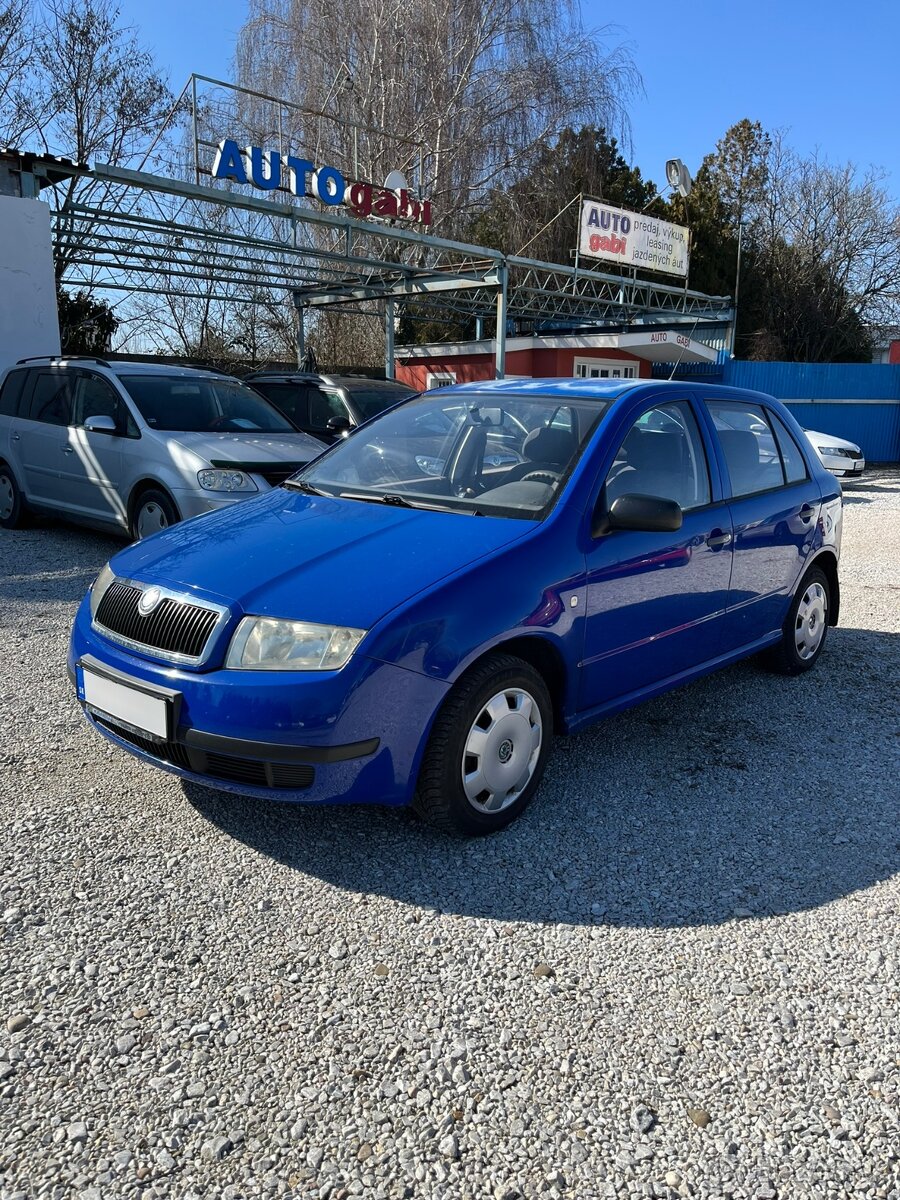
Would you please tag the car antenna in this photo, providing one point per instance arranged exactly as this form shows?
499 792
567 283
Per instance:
681 355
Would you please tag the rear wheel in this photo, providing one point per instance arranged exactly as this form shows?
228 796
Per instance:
806 626
152 512
13 507
488 748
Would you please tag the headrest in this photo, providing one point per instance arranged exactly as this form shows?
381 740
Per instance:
546 445
741 448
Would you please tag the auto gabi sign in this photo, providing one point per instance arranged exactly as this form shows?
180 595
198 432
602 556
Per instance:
269 170
633 239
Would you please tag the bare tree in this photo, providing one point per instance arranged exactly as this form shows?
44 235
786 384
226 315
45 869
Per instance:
458 93
15 48
827 244
93 95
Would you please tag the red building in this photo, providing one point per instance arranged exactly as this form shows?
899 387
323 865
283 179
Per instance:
558 356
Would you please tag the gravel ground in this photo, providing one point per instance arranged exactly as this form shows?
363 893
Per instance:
677 975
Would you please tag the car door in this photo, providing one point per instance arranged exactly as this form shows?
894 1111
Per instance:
774 508
92 473
656 601
41 435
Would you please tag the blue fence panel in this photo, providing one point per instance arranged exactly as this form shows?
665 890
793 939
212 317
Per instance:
816 381
874 427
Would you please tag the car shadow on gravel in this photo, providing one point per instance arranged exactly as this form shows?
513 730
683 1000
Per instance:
51 560
743 795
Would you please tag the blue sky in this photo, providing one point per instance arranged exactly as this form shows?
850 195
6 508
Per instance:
828 72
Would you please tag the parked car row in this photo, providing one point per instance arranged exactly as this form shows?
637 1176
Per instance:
137 447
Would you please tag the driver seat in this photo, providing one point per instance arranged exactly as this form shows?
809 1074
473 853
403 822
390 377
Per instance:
544 449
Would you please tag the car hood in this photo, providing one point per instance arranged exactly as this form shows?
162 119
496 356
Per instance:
315 558
829 440
248 447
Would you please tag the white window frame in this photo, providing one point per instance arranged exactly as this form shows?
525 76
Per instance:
608 368
439 379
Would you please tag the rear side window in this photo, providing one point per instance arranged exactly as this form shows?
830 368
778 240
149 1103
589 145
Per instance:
51 398
11 392
794 466
751 453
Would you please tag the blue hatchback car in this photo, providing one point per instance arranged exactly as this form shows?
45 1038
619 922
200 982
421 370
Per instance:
412 617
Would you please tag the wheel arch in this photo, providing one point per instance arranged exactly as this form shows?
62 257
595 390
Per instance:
541 654
148 485
826 561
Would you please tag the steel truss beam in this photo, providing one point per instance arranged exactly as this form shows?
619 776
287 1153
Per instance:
206 242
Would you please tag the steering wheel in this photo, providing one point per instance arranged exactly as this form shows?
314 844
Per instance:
549 477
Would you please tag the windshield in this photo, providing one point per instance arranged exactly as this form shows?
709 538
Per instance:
474 453
201 405
370 401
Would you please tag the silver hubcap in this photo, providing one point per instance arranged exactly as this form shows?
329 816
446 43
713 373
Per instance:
502 750
812 618
151 519
7 497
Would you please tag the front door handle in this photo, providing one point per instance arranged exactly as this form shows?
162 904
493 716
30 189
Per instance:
68 450
717 539
14 437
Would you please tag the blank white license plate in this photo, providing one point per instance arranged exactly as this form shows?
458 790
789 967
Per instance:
133 707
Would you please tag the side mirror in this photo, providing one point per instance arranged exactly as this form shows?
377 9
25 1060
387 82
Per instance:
100 425
338 426
646 514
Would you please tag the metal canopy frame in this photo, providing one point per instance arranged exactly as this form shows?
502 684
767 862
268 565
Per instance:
152 234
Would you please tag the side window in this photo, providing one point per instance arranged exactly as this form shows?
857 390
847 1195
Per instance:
662 455
51 398
11 392
794 466
95 398
752 457
288 398
323 406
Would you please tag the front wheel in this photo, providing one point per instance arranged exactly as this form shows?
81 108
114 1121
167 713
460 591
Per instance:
154 511
803 637
488 748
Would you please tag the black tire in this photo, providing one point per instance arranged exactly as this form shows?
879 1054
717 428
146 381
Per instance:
440 797
157 503
14 512
787 658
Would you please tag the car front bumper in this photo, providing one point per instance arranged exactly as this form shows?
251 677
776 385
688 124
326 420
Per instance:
352 736
844 468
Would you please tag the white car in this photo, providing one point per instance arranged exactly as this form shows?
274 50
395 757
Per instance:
838 456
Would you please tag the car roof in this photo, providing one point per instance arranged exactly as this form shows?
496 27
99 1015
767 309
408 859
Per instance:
119 367
351 380
605 389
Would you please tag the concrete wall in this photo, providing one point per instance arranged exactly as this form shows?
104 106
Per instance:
28 318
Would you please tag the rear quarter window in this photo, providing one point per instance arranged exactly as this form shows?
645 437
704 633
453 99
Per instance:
11 392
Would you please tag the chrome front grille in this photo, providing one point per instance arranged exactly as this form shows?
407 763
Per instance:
175 628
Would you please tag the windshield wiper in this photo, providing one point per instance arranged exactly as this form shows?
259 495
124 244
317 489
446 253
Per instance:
300 485
398 501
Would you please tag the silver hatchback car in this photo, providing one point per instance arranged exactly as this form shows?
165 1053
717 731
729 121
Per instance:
136 447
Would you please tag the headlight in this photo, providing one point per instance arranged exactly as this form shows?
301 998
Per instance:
267 644
98 588
828 451
213 480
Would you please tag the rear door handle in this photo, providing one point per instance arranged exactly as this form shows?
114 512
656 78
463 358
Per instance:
807 511
14 437
717 539
68 450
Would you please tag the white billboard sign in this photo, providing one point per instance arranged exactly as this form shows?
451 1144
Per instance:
633 239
